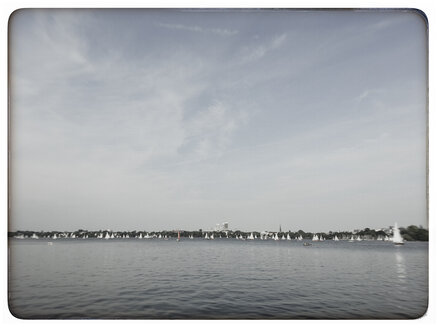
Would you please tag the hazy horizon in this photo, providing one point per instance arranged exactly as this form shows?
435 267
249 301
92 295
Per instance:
181 119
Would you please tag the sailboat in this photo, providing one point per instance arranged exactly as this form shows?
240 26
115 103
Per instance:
288 237
336 238
397 238
179 236
315 238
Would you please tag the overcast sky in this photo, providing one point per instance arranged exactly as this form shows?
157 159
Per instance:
167 119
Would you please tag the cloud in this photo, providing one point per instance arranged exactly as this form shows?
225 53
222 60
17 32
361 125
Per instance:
198 29
210 131
368 93
259 51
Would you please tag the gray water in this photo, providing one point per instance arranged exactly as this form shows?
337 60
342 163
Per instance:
217 279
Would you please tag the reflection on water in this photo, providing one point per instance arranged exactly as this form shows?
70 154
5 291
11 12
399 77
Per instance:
400 267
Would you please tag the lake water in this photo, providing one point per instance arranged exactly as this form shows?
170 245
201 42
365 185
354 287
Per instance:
216 279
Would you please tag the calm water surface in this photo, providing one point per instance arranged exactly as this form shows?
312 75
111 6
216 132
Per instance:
216 279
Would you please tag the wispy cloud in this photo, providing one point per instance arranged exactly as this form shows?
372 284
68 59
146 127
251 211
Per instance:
366 94
199 29
259 51
210 132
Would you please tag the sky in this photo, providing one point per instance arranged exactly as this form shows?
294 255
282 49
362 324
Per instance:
182 119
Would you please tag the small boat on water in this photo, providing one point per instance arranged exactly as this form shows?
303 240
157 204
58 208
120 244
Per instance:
307 244
397 238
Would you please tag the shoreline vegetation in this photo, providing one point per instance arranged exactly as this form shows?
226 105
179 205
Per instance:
411 233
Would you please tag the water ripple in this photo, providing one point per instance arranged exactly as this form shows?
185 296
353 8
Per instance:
223 279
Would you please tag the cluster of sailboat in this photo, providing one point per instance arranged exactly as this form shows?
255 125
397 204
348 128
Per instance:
396 238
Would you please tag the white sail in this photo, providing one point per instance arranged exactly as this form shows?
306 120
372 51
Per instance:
212 236
397 238
336 238
315 238
288 236
300 237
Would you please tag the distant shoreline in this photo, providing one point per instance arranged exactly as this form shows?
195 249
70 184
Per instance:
411 233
